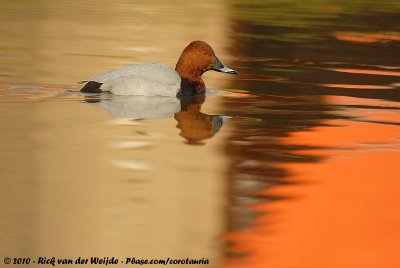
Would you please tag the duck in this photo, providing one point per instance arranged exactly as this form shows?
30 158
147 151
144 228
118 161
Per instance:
157 79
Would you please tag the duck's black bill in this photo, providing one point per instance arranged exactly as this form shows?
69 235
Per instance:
219 67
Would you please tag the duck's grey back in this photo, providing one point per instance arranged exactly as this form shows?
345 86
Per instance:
143 79
151 70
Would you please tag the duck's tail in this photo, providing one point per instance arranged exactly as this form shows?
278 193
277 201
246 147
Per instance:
91 87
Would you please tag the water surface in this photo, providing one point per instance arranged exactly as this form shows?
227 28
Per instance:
292 163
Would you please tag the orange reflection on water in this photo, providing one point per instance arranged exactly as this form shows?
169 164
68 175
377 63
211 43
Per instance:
345 100
357 86
377 111
342 134
365 71
365 37
342 211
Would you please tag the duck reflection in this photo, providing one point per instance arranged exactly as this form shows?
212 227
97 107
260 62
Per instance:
195 126
135 107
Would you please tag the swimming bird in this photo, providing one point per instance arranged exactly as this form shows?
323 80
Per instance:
156 79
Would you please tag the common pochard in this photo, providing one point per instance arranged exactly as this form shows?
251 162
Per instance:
156 79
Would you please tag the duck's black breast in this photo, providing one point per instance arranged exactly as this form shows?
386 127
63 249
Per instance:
190 88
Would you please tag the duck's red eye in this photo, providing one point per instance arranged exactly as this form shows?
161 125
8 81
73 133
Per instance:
204 53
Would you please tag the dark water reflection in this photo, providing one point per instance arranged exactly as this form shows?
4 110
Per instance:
295 63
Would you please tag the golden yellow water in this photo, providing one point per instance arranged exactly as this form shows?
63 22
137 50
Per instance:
292 163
